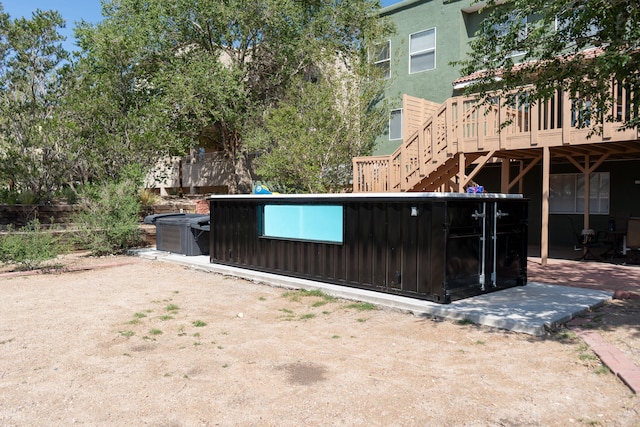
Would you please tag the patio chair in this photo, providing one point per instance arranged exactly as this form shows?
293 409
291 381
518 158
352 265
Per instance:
586 240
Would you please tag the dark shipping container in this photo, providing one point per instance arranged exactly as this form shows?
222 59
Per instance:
435 246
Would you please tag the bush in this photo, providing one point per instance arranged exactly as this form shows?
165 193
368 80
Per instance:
109 222
148 198
69 195
8 197
29 246
28 198
14 197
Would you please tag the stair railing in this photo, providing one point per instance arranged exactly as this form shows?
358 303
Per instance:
461 125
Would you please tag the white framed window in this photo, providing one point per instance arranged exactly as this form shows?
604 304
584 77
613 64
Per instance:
571 20
503 30
395 125
566 193
422 51
382 57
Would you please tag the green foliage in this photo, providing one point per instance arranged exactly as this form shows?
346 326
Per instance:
150 66
120 120
109 222
27 198
69 195
309 140
8 197
29 246
155 78
297 295
34 150
307 316
577 47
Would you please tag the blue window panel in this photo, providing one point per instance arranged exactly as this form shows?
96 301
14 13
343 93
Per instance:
323 223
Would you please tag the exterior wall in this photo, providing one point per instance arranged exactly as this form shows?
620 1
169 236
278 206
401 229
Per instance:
453 31
165 174
210 169
206 172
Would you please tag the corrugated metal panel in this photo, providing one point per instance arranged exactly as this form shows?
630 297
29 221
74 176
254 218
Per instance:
424 247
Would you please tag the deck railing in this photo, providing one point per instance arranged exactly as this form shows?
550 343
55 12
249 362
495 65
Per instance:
461 125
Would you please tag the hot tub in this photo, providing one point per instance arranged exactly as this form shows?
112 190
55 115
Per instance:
181 233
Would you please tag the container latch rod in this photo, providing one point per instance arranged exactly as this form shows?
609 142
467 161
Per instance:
479 216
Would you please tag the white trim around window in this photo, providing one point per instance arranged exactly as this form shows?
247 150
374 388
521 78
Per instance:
422 51
382 57
395 124
503 30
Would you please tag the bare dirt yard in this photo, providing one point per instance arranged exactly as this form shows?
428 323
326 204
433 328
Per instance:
152 343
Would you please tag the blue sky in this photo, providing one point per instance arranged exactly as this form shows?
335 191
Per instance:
72 11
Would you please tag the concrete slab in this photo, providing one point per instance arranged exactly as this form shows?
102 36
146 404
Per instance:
532 309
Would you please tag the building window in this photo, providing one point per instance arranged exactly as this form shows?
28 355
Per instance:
504 28
395 125
422 51
382 58
566 193
572 22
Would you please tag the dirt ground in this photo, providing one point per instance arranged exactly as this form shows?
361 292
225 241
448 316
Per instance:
152 343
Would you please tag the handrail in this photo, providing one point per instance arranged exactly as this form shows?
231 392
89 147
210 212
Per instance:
461 125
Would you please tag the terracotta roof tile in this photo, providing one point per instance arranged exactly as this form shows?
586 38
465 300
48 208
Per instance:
465 80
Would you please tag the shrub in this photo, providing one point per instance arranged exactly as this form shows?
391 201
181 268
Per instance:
148 198
109 222
29 246
69 195
15 197
28 198
8 197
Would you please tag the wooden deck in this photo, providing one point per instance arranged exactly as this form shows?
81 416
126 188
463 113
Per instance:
445 146
436 154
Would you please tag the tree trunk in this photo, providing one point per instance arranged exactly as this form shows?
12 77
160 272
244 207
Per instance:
240 180
243 174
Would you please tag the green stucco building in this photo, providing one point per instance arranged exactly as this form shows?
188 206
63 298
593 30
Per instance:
430 34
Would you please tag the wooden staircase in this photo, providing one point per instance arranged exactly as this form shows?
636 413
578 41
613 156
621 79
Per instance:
446 145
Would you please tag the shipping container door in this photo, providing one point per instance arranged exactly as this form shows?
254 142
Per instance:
465 254
508 243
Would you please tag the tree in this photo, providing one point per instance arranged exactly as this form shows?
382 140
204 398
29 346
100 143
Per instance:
538 46
311 137
119 115
214 68
33 150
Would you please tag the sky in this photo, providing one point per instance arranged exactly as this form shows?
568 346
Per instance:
72 11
